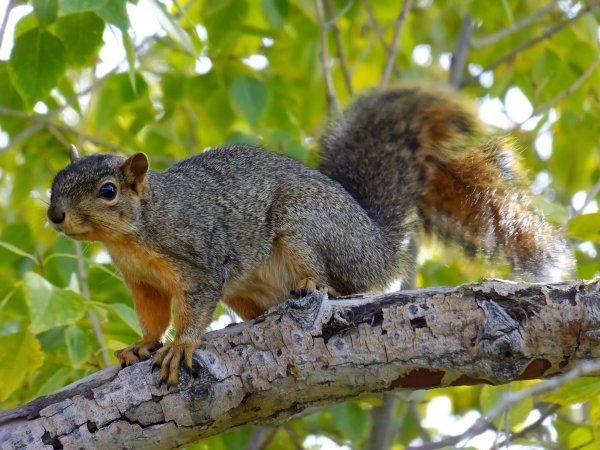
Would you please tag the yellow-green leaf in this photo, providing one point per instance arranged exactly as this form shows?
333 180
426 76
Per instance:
128 316
81 34
20 356
585 227
78 346
576 391
249 96
50 306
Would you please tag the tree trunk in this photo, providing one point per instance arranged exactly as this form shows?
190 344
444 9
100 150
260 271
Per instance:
317 352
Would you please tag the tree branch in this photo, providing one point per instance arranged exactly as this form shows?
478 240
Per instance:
393 49
41 121
568 91
333 105
383 419
459 58
588 198
341 56
510 399
545 35
316 352
524 22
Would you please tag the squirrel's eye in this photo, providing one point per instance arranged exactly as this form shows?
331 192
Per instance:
108 191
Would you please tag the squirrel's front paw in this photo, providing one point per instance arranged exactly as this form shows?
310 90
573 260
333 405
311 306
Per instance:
169 358
137 352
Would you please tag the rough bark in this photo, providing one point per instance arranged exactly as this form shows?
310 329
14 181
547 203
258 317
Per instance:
314 352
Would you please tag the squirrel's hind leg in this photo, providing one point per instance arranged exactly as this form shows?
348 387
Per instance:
308 285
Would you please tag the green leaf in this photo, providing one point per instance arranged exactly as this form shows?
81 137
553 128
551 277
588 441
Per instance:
78 346
112 11
37 62
174 31
582 438
17 251
55 381
50 306
249 96
352 420
128 316
81 34
75 6
45 10
10 98
585 227
275 11
20 356
115 12
577 391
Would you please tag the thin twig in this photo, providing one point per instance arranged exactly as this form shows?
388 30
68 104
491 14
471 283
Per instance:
341 56
524 22
363 54
333 19
22 135
9 7
459 58
510 399
545 35
43 121
529 428
85 292
333 105
391 56
375 25
60 137
572 88
568 91
588 198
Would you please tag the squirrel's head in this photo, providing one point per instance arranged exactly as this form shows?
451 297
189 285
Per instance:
97 198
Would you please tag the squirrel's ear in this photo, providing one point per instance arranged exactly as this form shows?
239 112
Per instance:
73 153
135 169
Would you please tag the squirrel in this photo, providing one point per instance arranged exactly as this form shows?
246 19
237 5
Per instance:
247 226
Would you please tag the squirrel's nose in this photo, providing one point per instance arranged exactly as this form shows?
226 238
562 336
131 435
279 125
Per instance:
56 215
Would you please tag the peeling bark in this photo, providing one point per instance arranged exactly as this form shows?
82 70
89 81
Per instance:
316 352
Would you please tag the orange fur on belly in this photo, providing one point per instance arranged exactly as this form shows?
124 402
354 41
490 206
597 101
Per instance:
267 285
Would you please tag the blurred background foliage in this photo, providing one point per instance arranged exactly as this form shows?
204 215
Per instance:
172 78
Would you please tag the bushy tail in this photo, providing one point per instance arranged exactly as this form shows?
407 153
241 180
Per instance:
405 151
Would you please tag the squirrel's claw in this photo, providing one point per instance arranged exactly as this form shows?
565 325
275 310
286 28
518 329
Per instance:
307 285
170 358
137 352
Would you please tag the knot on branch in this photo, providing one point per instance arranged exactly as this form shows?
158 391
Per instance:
309 313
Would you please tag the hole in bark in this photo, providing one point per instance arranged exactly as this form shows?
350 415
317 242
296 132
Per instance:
507 354
92 427
418 322
53 441
279 352
377 318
